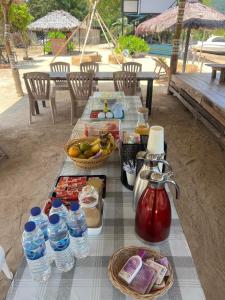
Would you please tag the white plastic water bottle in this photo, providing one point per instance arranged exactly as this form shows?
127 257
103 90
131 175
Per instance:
35 251
60 242
41 221
78 230
59 208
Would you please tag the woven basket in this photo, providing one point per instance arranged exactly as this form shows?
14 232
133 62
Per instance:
86 163
118 260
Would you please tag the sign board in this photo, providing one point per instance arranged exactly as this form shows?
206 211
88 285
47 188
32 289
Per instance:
147 6
155 6
130 6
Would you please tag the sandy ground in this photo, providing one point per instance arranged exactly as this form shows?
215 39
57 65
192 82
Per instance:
36 154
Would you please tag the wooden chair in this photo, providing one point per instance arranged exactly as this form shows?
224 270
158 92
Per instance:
38 88
80 87
161 67
132 67
125 82
60 85
90 67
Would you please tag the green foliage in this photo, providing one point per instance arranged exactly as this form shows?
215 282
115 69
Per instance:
70 46
133 44
110 11
56 35
20 17
116 27
48 47
40 8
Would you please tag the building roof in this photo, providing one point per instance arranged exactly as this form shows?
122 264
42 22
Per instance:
196 15
56 20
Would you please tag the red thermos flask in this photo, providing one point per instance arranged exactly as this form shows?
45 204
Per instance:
153 214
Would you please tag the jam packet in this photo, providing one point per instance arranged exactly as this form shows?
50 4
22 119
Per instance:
161 270
144 280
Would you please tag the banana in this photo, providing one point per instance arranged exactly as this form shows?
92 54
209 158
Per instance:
97 141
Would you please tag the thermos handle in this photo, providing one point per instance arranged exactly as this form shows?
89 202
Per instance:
165 163
176 186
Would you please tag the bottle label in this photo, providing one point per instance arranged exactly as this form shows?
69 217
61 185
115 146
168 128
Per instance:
33 254
61 244
78 232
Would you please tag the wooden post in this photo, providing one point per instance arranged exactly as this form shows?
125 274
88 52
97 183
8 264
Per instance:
15 72
176 39
186 49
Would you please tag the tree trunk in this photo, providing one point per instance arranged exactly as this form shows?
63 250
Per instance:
177 36
24 41
15 71
186 49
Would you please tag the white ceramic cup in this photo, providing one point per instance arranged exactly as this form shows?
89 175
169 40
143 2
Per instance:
131 179
156 140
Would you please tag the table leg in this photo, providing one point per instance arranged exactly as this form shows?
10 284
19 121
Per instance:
43 103
222 76
36 108
149 96
213 74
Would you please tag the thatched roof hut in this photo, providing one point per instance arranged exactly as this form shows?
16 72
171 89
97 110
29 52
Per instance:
57 20
196 15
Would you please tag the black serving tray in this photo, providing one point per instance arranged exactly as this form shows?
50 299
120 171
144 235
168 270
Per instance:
103 177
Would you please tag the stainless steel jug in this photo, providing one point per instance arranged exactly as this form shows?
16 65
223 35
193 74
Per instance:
152 164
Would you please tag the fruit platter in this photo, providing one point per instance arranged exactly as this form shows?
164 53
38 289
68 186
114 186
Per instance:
91 152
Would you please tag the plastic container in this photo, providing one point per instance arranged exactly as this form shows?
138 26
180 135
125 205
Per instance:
60 243
41 221
35 252
132 267
60 209
78 231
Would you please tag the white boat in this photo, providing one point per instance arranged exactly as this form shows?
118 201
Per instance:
215 45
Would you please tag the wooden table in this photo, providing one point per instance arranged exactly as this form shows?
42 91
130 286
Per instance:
215 68
89 278
108 76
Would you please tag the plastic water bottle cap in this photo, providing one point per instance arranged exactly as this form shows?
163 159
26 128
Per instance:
54 219
35 211
57 203
29 226
74 206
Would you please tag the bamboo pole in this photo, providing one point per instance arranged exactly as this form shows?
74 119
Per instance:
88 31
107 29
15 72
72 35
176 39
99 21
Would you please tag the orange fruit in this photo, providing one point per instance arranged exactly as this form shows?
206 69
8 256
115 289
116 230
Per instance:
74 151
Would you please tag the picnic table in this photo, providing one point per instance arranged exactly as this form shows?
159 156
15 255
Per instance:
88 279
108 76
217 67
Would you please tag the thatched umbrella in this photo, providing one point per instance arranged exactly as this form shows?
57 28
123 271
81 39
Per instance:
56 20
196 15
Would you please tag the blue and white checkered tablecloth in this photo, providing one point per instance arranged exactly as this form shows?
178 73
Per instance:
88 280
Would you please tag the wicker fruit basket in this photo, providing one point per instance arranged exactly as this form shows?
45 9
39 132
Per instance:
86 163
118 260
